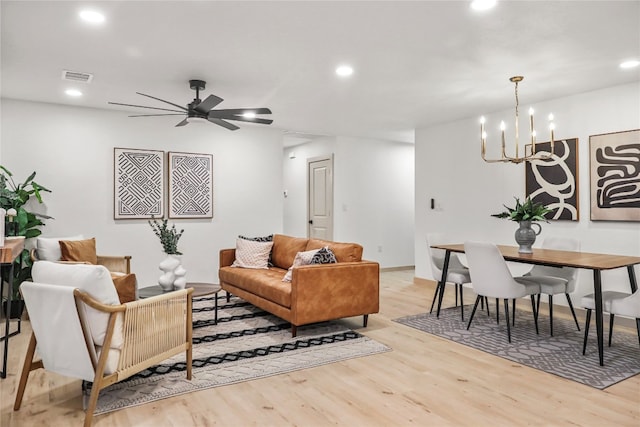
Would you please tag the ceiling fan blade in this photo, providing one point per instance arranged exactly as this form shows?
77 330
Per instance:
237 111
210 102
162 100
250 119
155 115
182 123
224 124
144 106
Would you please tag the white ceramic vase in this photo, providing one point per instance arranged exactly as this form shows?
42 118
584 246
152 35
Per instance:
169 265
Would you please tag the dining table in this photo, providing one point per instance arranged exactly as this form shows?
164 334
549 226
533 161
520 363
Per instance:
596 262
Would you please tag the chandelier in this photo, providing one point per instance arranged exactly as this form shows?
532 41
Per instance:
529 150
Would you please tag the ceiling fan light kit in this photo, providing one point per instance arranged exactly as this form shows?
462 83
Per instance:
199 111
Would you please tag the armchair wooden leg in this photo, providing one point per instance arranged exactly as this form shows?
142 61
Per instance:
365 319
294 330
26 369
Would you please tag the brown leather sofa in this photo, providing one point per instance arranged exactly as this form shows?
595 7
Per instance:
317 292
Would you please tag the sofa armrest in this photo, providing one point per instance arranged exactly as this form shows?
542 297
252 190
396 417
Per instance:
335 290
227 256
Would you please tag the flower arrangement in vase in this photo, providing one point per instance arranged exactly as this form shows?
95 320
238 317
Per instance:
173 273
525 214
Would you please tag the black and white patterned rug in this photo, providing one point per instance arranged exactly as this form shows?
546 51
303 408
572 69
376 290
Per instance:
247 343
560 354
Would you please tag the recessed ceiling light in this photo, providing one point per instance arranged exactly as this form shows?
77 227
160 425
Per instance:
344 70
73 92
483 4
630 64
92 16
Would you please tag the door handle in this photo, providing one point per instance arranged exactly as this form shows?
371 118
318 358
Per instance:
310 221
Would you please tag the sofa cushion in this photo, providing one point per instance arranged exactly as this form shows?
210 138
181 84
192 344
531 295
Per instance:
285 249
126 285
344 252
252 254
79 250
48 248
267 284
302 258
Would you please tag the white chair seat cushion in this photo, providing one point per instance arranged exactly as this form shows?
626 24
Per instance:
629 306
550 285
458 275
92 279
112 359
589 301
48 248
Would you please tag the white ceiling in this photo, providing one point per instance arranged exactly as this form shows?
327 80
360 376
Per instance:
416 63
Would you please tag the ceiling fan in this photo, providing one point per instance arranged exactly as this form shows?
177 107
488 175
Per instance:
199 110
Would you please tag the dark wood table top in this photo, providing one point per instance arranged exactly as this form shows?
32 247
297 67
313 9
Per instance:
558 258
199 289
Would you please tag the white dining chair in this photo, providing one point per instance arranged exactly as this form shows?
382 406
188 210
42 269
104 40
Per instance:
616 304
457 273
491 278
556 280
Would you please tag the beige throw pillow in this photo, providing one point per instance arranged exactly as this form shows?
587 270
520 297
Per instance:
252 254
302 258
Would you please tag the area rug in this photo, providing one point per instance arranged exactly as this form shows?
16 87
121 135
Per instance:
560 354
246 344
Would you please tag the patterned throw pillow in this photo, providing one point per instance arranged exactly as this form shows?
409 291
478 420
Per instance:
252 254
324 256
268 238
302 258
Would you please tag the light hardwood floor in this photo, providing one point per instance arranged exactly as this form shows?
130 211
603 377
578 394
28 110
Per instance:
424 381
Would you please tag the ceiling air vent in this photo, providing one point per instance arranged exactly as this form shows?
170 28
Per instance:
76 76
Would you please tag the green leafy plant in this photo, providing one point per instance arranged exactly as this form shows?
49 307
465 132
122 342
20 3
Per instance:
27 224
527 211
169 236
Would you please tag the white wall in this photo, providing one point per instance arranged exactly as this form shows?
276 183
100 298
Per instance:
373 195
71 149
467 190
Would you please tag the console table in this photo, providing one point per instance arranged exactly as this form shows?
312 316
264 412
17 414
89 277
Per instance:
8 253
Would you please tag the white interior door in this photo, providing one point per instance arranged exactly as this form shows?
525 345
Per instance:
320 198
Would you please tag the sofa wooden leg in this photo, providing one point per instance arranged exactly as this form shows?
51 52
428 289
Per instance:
365 319
228 296
294 330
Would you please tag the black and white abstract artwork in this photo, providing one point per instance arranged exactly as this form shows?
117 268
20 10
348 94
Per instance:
190 185
554 181
615 176
138 183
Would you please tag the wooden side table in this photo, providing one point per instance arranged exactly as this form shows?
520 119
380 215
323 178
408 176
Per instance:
8 253
200 289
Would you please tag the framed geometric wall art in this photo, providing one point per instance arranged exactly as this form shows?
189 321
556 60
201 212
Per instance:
138 183
554 182
190 185
614 163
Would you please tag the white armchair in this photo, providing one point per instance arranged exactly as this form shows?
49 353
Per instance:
82 301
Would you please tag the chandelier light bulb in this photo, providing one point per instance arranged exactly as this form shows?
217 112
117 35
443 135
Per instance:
531 111
502 126
550 117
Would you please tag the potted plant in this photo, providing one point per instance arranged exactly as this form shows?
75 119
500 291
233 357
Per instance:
13 198
525 214
172 270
